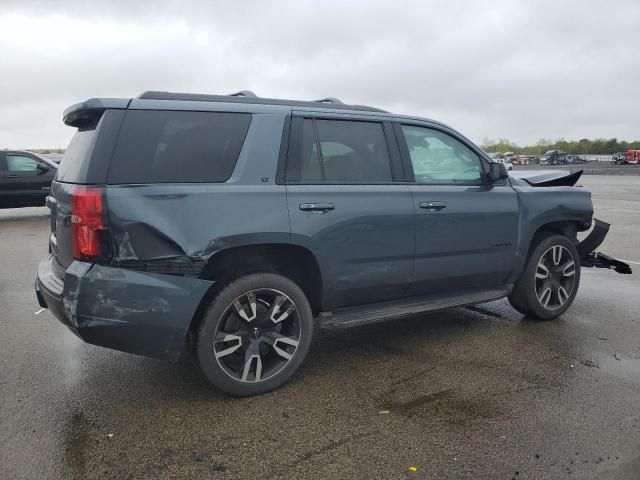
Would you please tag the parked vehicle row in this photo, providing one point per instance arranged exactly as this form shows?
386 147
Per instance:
224 225
630 157
552 157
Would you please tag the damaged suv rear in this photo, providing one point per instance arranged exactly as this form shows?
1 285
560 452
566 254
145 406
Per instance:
227 225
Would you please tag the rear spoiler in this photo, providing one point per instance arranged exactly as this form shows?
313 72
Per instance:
90 111
590 258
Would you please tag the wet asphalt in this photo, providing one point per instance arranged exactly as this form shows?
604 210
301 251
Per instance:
470 393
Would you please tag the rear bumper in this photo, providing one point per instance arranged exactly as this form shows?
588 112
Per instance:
143 313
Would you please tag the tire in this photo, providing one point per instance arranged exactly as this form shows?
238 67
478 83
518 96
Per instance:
538 296
255 334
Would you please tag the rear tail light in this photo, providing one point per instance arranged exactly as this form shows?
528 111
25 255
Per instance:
87 218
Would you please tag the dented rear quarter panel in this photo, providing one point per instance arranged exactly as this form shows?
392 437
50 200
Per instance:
176 228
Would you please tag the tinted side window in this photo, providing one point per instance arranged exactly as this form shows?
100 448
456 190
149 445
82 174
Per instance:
75 162
310 159
439 158
21 164
170 146
353 151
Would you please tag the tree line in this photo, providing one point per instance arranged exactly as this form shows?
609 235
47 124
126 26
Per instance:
599 146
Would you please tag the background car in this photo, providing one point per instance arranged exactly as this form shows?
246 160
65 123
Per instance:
554 157
521 160
25 178
576 159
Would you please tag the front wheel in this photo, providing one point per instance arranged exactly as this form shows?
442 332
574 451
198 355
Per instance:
550 280
255 334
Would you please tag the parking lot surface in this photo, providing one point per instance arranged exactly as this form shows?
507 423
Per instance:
475 392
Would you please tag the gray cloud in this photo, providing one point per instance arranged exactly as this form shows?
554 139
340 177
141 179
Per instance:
521 70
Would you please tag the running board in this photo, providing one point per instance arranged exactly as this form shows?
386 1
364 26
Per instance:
379 312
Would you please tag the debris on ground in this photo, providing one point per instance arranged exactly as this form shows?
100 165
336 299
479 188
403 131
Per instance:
590 363
413 469
617 357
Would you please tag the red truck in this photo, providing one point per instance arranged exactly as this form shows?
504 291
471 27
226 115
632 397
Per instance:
633 156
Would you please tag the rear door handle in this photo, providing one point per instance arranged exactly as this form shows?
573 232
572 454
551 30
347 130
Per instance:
434 206
317 207
13 176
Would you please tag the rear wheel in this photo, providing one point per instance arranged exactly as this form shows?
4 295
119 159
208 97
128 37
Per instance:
550 280
255 334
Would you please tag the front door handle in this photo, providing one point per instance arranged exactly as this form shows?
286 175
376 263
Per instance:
13 175
434 206
317 207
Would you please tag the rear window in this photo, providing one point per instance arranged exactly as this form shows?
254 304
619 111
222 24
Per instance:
171 146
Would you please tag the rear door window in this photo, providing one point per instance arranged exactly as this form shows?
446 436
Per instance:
173 146
338 151
353 151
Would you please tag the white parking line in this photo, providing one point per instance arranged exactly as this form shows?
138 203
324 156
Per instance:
623 210
631 261
39 311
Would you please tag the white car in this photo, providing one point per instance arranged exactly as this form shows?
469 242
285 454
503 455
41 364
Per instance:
507 163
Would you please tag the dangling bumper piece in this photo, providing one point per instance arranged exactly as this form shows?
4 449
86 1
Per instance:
590 258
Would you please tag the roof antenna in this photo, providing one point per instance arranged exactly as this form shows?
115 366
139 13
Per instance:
244 93
329 100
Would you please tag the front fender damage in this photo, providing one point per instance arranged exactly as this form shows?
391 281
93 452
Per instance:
590 258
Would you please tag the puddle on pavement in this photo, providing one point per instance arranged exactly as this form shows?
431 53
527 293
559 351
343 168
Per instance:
625 367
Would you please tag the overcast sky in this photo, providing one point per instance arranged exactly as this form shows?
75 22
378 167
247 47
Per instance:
520 70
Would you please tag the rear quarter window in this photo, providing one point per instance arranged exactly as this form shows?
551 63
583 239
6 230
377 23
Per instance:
157 146
74 166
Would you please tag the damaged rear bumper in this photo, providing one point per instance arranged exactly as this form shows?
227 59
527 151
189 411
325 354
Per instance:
143 313
590 258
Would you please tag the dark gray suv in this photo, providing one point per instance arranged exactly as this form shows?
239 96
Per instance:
225 225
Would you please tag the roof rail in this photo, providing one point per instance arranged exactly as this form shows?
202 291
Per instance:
244 93
249 97
333 100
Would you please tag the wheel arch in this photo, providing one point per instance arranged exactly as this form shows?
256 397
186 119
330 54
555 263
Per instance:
295 262
567 227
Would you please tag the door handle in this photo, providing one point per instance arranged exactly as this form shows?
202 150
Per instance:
317 207
433 206
13 175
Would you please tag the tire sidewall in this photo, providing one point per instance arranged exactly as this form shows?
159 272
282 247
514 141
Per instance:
213 316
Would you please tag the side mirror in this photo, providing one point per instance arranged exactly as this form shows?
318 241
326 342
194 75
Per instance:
498 171
42 168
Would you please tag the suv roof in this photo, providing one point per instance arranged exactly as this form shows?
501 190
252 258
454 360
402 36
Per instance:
84 112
